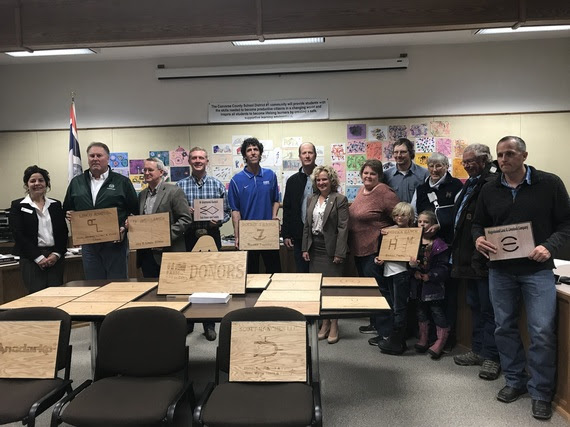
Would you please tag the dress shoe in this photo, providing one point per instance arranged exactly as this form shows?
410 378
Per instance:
325 329
210 334
509 394
368 329
333 333
541 410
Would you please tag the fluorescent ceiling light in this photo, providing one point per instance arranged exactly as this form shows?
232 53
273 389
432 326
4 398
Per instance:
298 40
524 29
54 52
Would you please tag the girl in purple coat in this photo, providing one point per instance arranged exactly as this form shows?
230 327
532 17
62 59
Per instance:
429 274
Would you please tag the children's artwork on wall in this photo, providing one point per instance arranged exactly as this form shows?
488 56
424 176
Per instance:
237 140
355 146
459 147
178 173
377 133
355 161
443 146
221 149
439 128
292 142
136 166
291 165
418 130
351 191
271 158
179 157
138 182
161 155
387 151
223 173
356 131
374 150
425 145
340 169
238 162
388 165
422 158
122 171
458 171
397 131
290 153
320 150
222 160
353 178
338 153
119 160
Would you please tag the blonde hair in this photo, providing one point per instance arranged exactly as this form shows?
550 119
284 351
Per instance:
333 177
406 209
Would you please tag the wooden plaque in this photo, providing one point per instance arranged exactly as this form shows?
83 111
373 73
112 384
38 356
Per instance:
101 296
259 235
297 276
28 349
349 282
268 351
64 291
257 281
308 308
208 209
149 231
175 305
183 273
94 226
354 303
90 308
294 285
296 295
400 244
128 286
34 301
512 241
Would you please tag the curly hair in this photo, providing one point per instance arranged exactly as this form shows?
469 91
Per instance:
333 177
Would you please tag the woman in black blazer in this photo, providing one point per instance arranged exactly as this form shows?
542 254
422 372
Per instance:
40 232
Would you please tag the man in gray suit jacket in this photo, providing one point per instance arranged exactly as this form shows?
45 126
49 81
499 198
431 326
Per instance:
162 197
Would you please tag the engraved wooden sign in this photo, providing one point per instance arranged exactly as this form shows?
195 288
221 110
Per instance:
259 235
142 287
349 282
400 244
294 285
183 273
90 308
208 209
257 281
268 351
297 276
354 303
94 226
512 241
149 231
28 349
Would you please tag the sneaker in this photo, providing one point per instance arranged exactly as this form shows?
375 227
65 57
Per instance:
375 340
368 329
490 370
468 359
541 410
210 334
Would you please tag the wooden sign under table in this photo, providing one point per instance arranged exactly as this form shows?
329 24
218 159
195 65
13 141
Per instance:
400 244
273 351
512 241
354 303
259 235
29 348
183 273
149 231
94 226
208 209
349 282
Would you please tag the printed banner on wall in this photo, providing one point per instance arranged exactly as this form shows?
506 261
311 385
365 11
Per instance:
268 111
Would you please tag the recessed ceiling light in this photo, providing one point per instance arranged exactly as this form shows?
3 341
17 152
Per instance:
54 52
524 29
298 40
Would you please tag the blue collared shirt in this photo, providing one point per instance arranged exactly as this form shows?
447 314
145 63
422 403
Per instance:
515 190
207 188
254 195
405 184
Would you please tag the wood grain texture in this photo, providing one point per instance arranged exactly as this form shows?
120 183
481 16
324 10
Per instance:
149 231
64 291
349 282
295 295
33 301
208 209
268 352
400 244
302 285
128 286
297 276
354 303
512 241
259 235
175 305
94 226
308 308
100 296
28 349
257 281
90 308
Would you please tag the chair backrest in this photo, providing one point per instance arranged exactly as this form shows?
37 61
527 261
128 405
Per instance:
46 313
205 244
140 342
249 314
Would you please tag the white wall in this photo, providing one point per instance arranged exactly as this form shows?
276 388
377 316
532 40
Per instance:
441 80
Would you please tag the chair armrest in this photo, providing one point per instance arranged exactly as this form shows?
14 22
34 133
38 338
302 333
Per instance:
48 400
59 405
203 399
177 398
318 421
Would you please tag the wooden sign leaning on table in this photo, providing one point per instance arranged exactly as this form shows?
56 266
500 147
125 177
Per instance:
512 241
400 244
149 231
94 226
259 235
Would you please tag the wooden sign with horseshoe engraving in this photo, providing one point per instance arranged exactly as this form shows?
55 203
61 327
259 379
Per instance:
259 235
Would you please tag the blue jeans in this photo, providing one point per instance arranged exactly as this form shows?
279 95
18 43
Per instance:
105 260
539 295
399 288
436 309
483 319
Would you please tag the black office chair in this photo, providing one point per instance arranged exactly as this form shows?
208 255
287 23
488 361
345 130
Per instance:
141 373
24 399
256 404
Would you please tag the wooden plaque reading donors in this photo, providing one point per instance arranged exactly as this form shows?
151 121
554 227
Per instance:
400 244
183 273
259 235
268 351
28 349
208 209
94 226
149 231
512 241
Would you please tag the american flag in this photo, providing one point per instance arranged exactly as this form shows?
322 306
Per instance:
74 165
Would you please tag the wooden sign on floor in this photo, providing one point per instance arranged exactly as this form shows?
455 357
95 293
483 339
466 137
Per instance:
94 226
512 241
400 244
258 235
149 231
28 349
268 351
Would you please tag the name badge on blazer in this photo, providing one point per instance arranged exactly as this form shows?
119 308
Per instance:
27 210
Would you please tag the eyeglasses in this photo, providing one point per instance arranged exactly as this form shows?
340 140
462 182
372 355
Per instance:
469 162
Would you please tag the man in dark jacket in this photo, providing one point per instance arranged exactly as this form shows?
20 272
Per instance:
470 266
523 194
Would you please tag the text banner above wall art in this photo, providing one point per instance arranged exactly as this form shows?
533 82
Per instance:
268 111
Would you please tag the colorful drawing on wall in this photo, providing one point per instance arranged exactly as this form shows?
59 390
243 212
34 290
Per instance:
138 181
458 171
459 147
443 146
122 171
338 153
387 151
351 191
178 157
377 132
374 150
161 155
271 158
119 160
356 146
353 178
418 130
340 169
292 141
356 131
178 173
291 165
355 161
223 173
136 166
439 128
237 140
388 165
397 131
237 162
290 153
425 145
320 150
422 158
222 160
222 149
